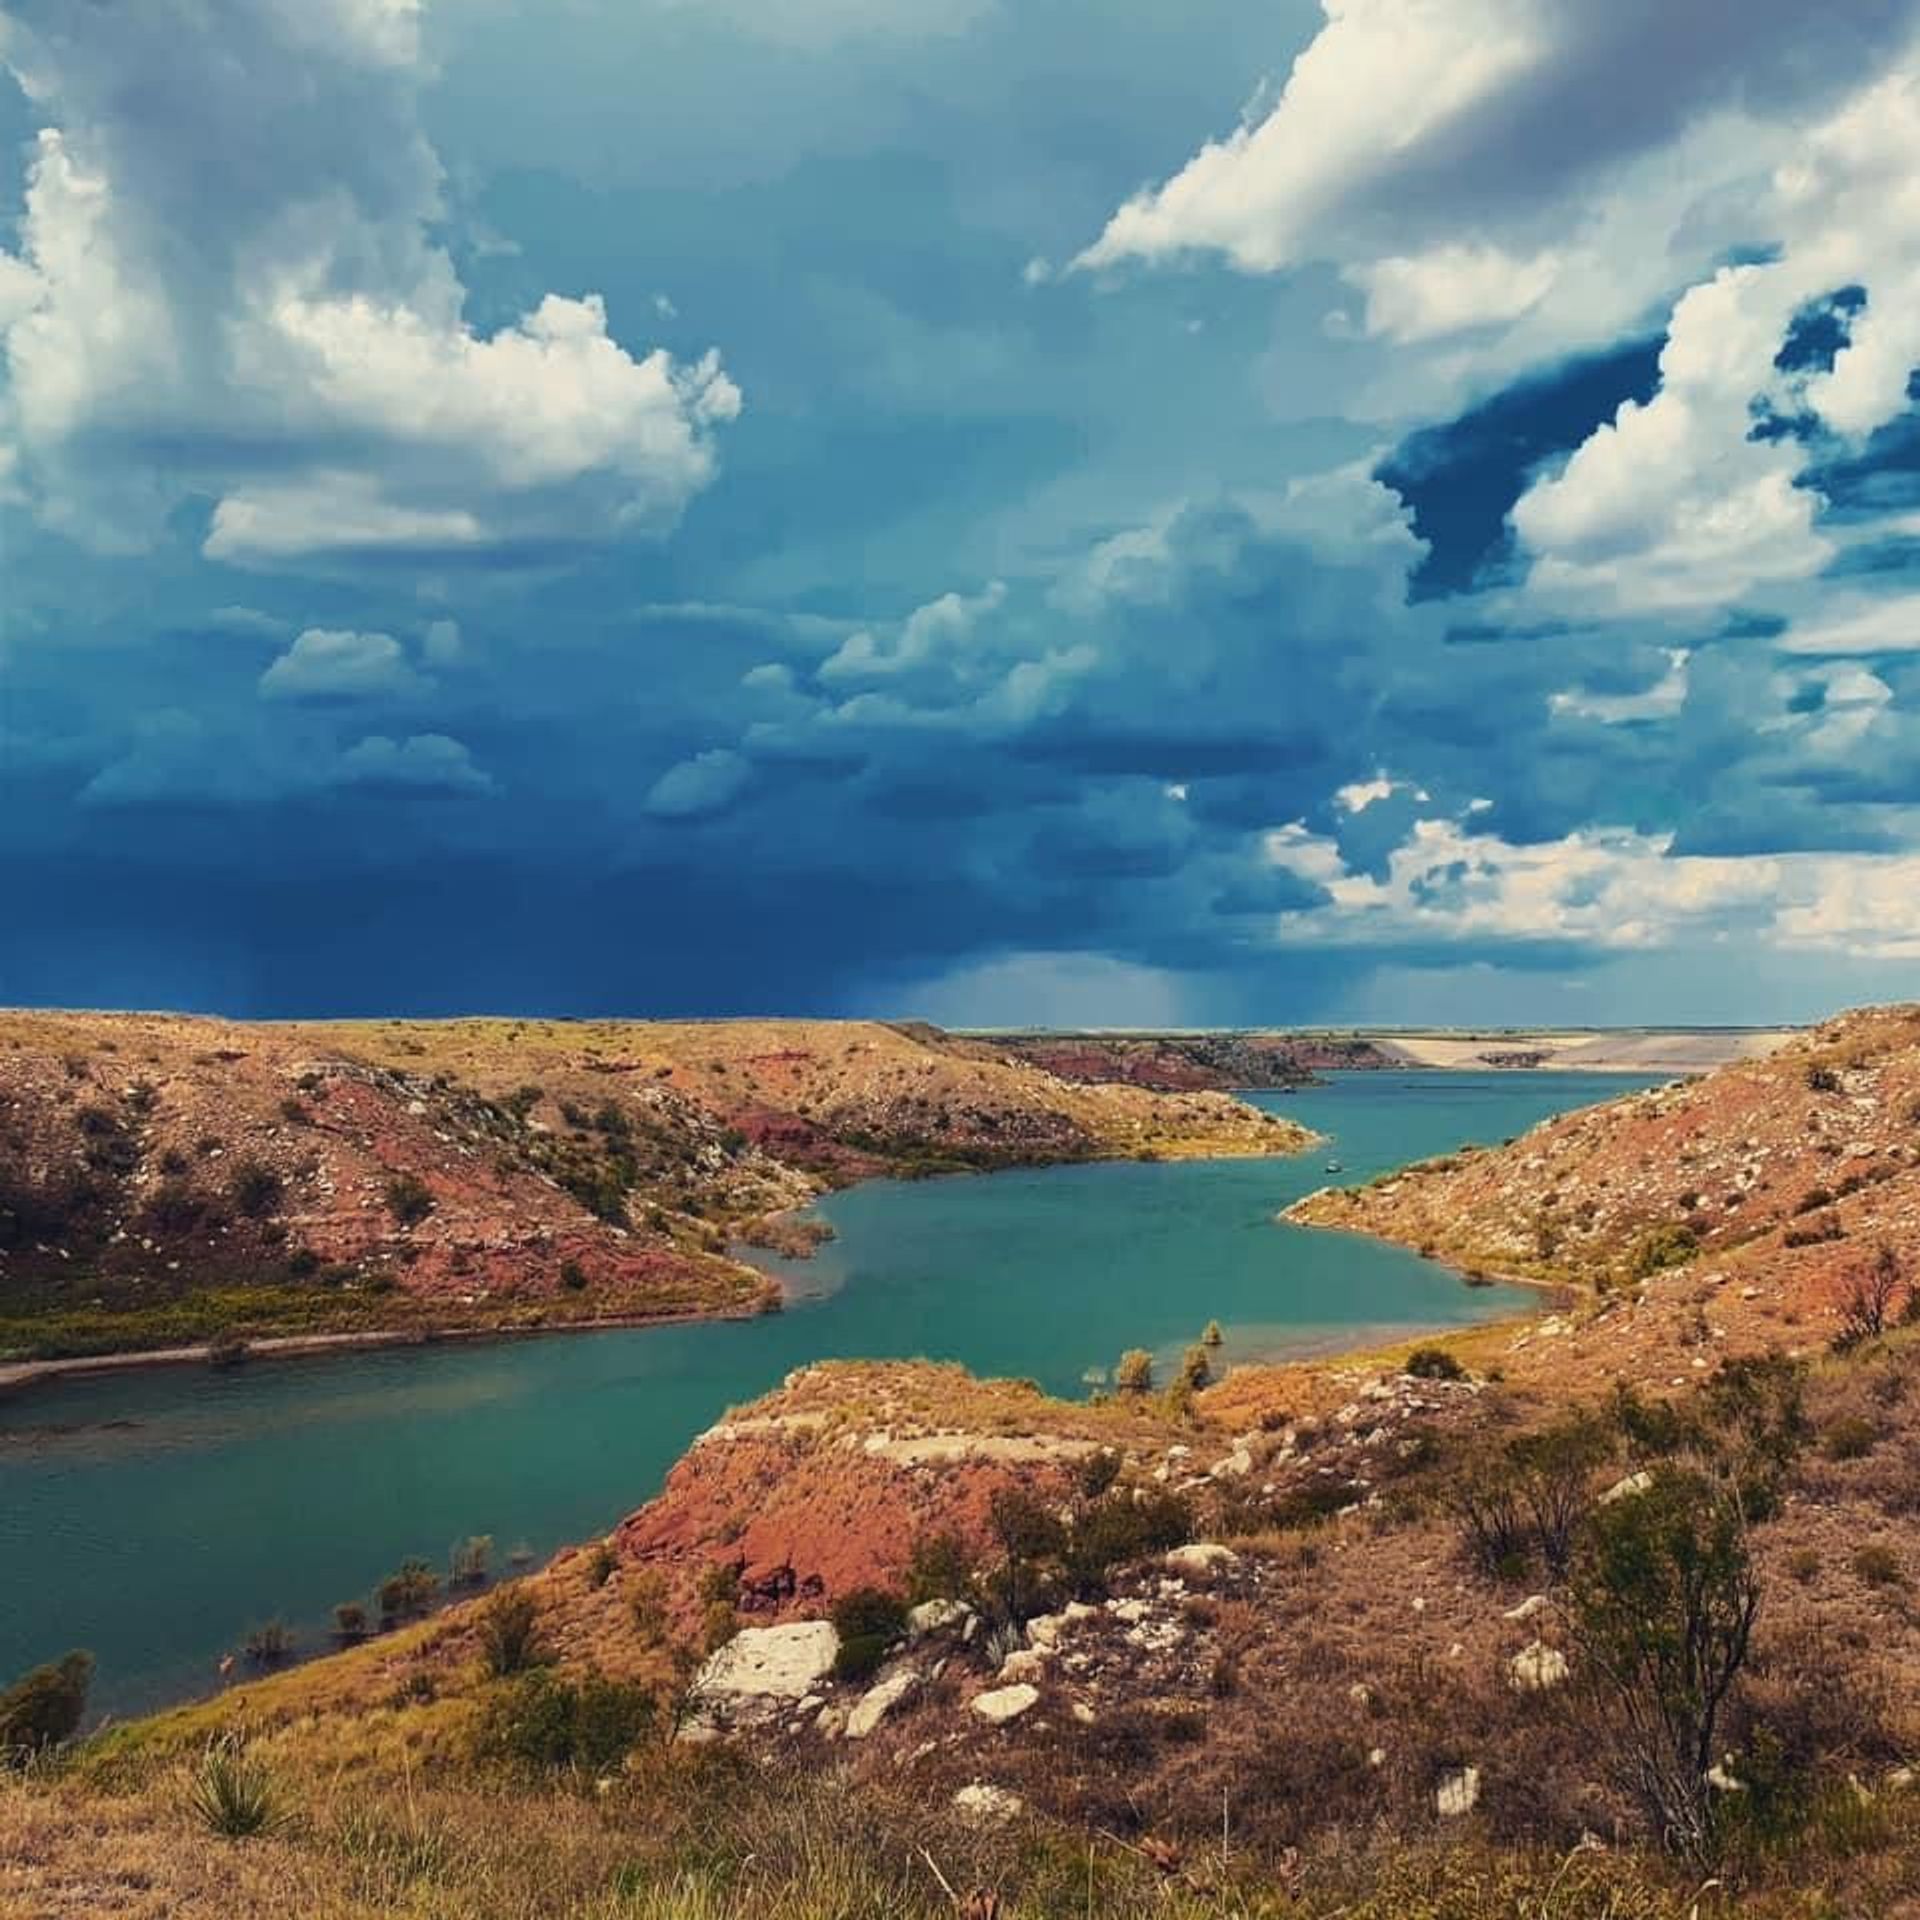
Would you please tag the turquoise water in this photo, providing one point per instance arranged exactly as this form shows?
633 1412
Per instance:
155 1516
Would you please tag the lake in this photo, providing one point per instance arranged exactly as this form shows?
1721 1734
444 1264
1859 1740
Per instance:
155 1516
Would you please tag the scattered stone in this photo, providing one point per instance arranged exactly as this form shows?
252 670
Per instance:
1203 1557
983 1801
1532 1604
1537 1668
1458 1793
1634 1483
934 1616
878 1701
784 1663
1001 1704
1025 1663
1722 1781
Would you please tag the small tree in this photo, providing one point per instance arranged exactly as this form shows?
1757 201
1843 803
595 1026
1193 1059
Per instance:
1195 1369
43 1708
408 1592
1867 1304
1663 1602
1553 1473
467 1560
1134 1374
1030 1535
1493 1520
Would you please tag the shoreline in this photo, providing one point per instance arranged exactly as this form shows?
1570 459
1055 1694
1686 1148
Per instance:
1486 1276
20 1376
17 1376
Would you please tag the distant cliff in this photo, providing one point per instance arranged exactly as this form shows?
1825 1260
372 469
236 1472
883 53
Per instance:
1183 1061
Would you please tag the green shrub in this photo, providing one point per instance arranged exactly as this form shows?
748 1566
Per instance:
349 1622
468 1559
546 1724
1096 1473
1119 1529
1663 1247
1134 1374
1195 1368
573 1276
718 1624
1661 1609
648 1601
256 1189
865 1611
510 1634
176 1207
939 1568
1877 1565
869 1621
1433 1363
44 1707
230 1793
1850 1438
269 1644
408 1592
1031 1539
409 1199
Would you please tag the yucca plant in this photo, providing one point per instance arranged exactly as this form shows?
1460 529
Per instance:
231 1793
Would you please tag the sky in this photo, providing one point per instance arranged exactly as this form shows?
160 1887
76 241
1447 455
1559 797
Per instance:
1070 512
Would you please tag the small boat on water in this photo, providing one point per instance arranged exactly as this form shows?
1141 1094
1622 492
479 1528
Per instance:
1334 1166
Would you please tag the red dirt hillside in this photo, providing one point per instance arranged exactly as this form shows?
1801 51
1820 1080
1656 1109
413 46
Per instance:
166 1180
1783 1168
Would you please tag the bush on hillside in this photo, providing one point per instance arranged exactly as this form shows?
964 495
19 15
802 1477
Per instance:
409 1199
43 1708
546 1724
510 1634
256 1189
1661 1611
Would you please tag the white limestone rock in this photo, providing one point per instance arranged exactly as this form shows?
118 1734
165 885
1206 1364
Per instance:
770 1663
1001 1704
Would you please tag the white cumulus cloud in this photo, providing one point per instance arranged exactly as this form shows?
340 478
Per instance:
228 281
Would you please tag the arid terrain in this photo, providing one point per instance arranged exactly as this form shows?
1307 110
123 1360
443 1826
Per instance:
1417 1633
1188 1061
167 1181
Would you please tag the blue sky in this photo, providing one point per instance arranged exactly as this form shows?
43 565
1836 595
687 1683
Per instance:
1064 512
